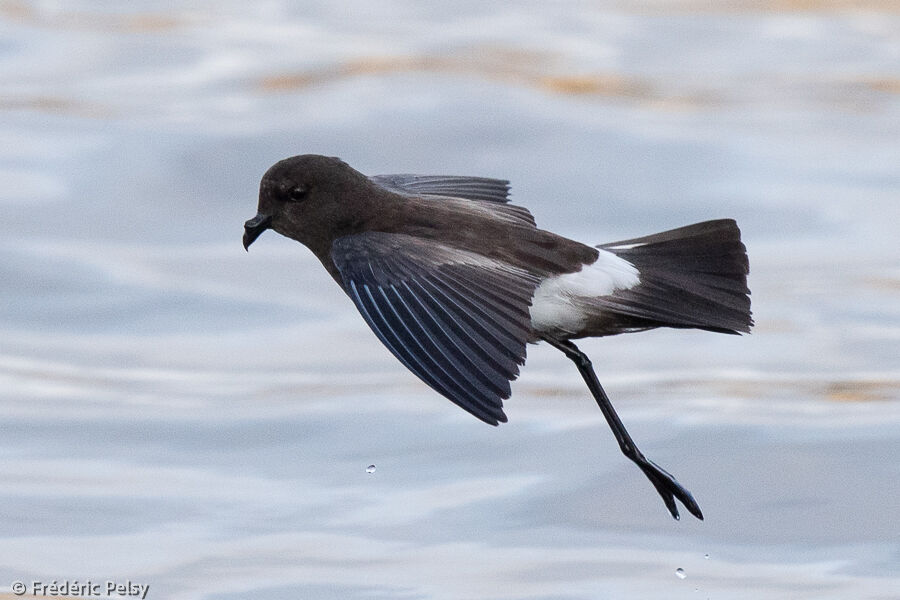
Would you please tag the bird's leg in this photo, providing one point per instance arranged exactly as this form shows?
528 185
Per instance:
664 483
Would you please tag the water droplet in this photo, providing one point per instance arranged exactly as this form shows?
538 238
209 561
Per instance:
679 572
370 469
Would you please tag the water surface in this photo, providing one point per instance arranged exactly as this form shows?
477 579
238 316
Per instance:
179 413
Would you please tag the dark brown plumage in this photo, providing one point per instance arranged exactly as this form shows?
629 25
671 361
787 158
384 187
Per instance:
455 281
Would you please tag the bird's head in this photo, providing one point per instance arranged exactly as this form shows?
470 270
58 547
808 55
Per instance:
309 198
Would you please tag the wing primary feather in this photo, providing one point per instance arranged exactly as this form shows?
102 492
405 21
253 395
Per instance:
498 324
465 397
499 331
470 188
500 282
482 341
512 317
503 315
379 332
395 344
429 364
458 350
457 321
409 342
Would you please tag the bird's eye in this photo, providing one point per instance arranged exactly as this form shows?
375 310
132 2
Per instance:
297 193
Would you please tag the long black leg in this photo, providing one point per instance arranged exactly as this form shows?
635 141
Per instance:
664 483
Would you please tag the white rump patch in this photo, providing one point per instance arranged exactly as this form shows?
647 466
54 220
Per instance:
560 302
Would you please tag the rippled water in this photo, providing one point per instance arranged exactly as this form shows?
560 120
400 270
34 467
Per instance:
179 413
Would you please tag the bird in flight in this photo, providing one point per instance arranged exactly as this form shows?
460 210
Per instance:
455 281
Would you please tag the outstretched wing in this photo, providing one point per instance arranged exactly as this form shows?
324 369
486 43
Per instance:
470 188
458 320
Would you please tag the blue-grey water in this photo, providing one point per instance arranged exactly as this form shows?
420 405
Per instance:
178 413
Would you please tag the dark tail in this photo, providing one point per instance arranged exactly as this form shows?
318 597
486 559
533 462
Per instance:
694 276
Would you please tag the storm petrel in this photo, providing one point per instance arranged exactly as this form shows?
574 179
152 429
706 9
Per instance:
455 281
